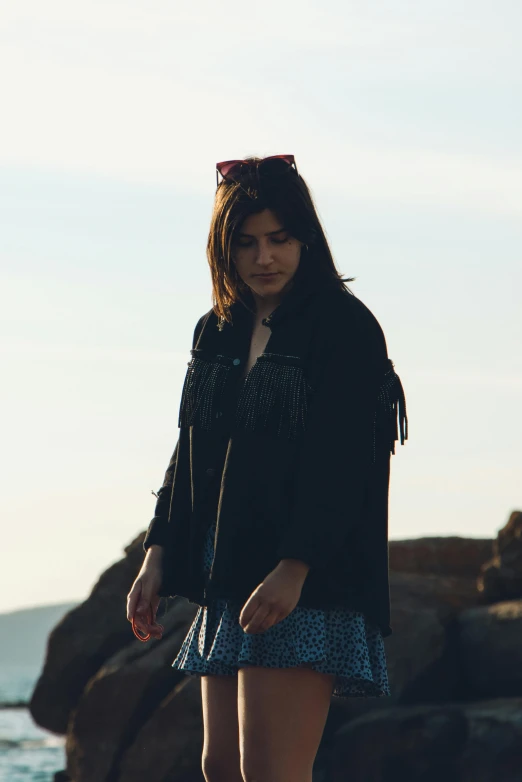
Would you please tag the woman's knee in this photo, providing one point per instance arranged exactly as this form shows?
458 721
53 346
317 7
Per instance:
220 769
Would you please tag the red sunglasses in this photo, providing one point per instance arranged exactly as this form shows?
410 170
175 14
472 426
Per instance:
275 165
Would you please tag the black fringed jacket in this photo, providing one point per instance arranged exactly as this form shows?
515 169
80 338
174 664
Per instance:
294 461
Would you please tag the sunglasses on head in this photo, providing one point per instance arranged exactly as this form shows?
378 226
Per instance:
275 165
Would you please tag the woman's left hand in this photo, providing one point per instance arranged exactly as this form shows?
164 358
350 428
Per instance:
272 601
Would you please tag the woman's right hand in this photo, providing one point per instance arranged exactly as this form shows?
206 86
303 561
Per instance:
143 598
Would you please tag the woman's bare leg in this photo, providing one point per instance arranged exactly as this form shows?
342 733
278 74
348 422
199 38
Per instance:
220 759
282 713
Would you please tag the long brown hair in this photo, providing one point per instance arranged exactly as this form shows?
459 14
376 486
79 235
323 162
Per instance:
289 198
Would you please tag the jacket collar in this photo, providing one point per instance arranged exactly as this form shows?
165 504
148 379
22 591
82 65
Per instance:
274 394
294 301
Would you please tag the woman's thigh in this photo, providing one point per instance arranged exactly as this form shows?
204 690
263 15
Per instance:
282 713
220 760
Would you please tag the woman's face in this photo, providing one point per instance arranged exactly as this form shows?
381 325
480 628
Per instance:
263 245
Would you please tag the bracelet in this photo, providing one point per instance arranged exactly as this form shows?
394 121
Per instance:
136 630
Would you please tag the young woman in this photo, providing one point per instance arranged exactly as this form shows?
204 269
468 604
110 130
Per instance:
273 514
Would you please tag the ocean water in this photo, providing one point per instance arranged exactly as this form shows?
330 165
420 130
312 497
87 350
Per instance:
27 752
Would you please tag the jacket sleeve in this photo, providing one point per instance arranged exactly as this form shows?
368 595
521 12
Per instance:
158 527
333 462
157 530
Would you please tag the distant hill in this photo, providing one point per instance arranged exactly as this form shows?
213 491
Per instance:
24 633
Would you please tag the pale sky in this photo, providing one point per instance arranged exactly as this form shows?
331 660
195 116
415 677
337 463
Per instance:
405 119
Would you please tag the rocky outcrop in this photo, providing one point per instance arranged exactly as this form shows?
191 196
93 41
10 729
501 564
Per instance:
176 725
131 684
490 650
83 640
448 556
500 577
456 742
421 652
129 715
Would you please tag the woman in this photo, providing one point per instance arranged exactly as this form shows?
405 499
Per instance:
273 514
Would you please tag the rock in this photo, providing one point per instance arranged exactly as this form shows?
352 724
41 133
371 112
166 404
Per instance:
500 578
444 556
129 714
453 742
422 652
490 650
448 594
83 640
169 746
122 697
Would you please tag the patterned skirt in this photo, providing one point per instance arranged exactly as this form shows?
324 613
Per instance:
333 641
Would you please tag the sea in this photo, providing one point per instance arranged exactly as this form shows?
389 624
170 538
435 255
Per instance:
28 753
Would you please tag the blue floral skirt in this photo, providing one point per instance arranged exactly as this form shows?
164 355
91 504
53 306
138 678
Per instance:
335 641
